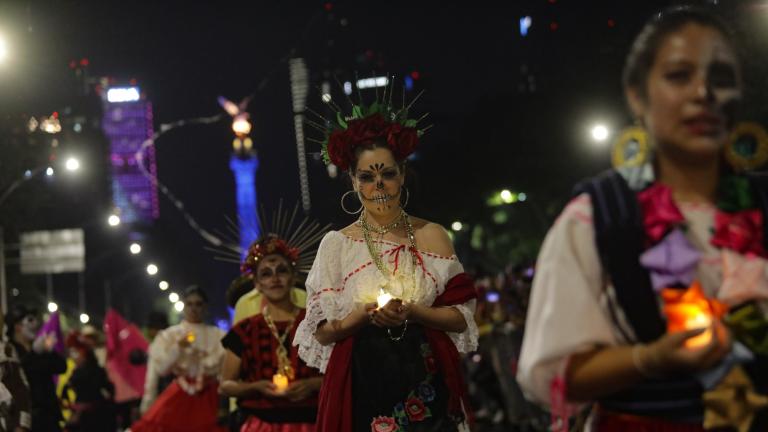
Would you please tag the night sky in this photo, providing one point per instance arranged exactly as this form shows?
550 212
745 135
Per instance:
508 111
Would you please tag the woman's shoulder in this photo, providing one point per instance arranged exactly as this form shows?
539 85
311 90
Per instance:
432 237
352 230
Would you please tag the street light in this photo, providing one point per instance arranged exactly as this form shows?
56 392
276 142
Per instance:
3 50
113 220
173 297
135 248
179 306
49 171
72 164
599 133
152 269
163 285
52 307
84 318
457 226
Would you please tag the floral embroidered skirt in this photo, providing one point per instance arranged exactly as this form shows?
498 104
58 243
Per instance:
396 385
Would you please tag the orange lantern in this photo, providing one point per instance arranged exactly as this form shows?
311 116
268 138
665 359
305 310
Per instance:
690 309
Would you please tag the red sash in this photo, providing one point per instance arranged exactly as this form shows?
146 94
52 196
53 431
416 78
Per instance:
335 406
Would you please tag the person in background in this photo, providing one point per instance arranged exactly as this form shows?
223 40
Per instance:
191 351
93 409
259 349
41 365
15 403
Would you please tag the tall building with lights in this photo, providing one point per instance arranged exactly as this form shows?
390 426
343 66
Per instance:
127 123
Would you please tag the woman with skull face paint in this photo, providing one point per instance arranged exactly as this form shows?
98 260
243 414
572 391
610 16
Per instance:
275 389
41 364
389 306
595 331
192 352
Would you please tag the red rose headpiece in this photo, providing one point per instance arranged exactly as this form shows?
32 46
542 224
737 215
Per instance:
379 120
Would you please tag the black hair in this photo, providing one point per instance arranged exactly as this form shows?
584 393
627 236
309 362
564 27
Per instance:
15 315
238 288
195 290
157 320
642 54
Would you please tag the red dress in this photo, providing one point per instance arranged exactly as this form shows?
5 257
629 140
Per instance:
190 403
252 341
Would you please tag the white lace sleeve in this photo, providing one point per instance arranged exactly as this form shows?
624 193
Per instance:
323 283
164 351
465 341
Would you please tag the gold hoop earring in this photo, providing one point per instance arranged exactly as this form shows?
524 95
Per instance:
631 149
343 197
747 147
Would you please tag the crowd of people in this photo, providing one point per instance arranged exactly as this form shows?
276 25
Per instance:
636 316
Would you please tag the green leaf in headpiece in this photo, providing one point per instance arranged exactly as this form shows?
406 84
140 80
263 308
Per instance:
735 194
410 123
357 112
340 120
374 109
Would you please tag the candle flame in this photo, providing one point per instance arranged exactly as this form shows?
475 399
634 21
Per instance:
383 298
190 336
280 381
689 310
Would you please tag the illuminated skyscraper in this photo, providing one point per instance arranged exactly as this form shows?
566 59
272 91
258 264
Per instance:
127 123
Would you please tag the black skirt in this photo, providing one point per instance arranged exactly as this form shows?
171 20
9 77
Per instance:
396 384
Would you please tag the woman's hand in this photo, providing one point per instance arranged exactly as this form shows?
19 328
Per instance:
302 389
393 314
267 388
669 354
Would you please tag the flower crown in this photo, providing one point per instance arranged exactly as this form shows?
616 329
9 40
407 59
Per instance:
270 244
366 124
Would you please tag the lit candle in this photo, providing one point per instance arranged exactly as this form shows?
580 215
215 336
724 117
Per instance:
280 381
190 336
697 321
383 298
690 309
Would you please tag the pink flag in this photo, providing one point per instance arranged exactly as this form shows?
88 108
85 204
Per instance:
123 339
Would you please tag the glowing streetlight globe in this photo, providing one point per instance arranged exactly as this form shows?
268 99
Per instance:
84 318
72 164
113 220
135 248
3 50
49 171
173 297
152 269
163 285
179 306
457 226
52 307
600 133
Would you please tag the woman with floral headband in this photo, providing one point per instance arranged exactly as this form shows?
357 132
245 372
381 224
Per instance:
646 292
275 389
389 306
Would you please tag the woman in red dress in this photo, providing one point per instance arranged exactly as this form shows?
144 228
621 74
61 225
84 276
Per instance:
276 390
